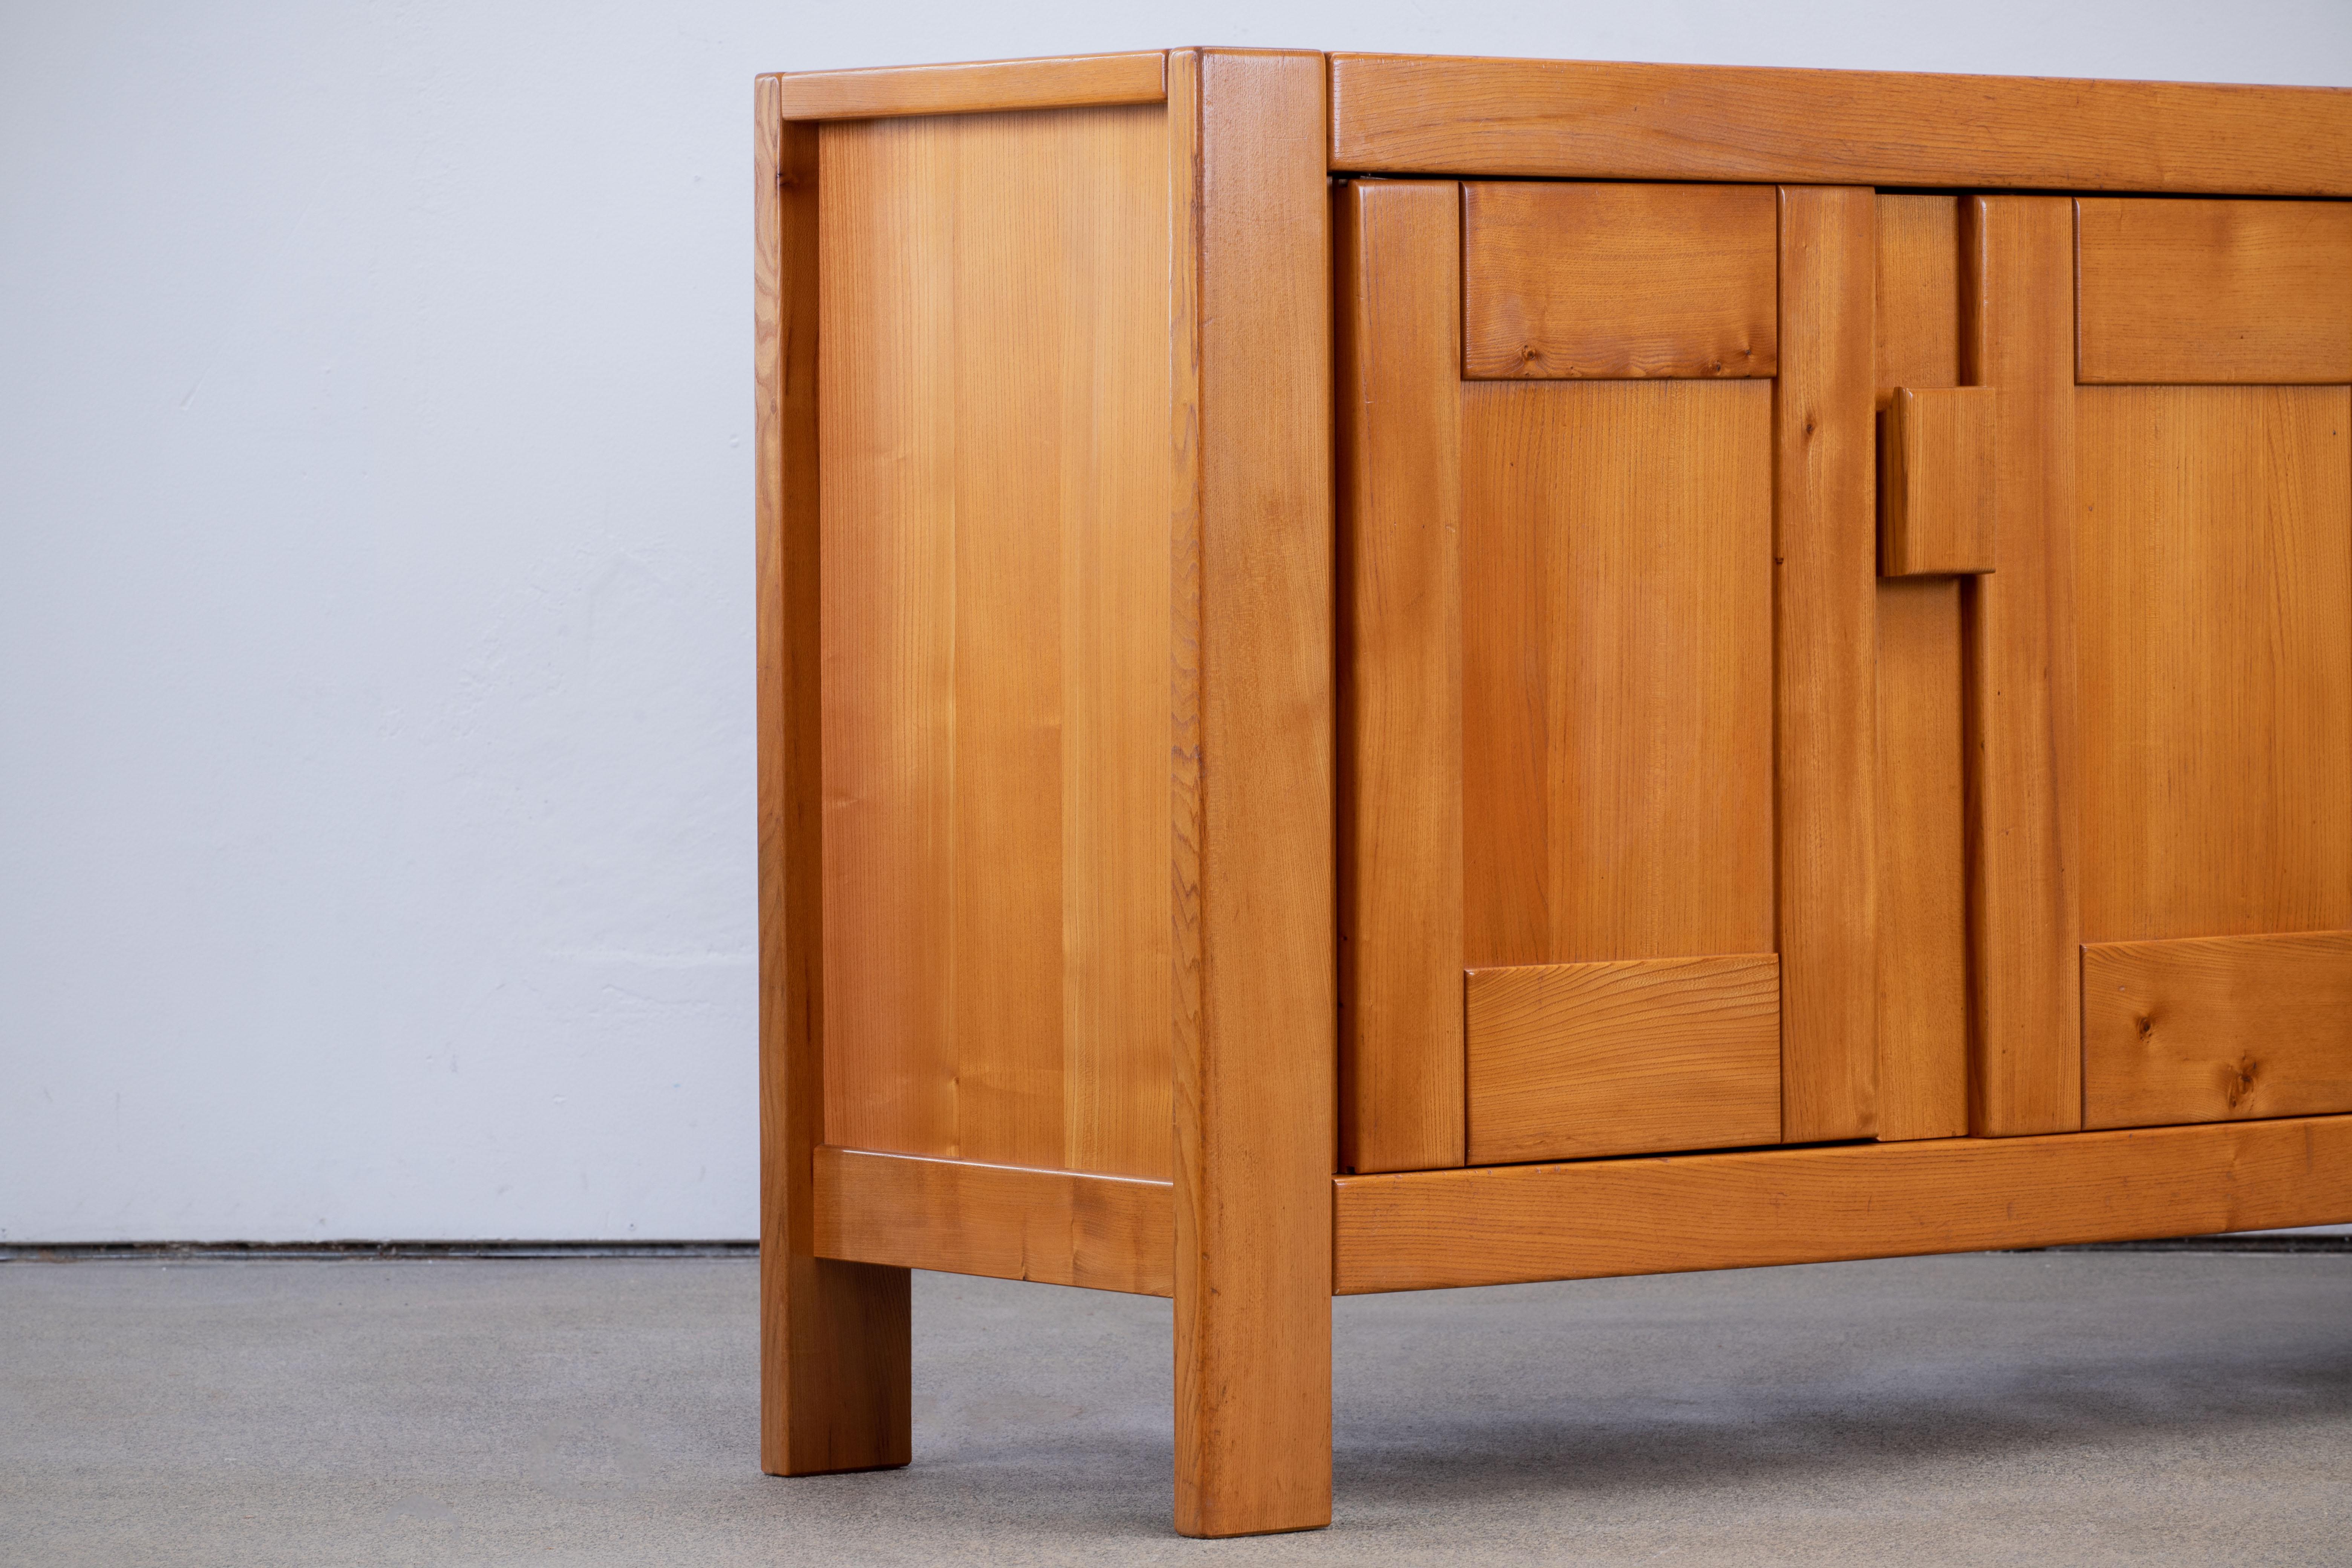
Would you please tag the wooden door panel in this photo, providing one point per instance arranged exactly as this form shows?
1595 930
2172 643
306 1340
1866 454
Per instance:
1617 671
2214 544
1647 609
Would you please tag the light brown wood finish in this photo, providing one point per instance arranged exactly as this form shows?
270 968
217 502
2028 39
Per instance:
1923 953
1425 1230
2215 629
1068 81
1936 472
1398 251
1617 699
1058 1227
1567 1061
1922 855
2213 291
1407 114
1918 293
1617 281
2024 751
1255 1092
835 1379
2217 1029
996 632
1824 644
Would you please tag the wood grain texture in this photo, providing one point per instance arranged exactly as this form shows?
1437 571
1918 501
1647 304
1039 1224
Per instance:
1573 280
1398 253
1567 1061
2214 538
1068 81
1826 560
1577 120
1923 934
1424 1230
1922 852
1936 474
2213 291
1617 669
834 1344
996 637
1056 1227
2217 1029
2023 744
1255 1088
1918 293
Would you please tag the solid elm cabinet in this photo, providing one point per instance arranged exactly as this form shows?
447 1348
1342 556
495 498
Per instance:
1380 672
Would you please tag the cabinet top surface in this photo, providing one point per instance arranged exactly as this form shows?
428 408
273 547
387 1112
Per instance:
1434 115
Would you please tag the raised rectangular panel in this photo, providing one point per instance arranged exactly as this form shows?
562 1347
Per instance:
1614 280
1567 1061
2217 1029
2214 291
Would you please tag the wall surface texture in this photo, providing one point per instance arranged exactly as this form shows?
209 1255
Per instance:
376 847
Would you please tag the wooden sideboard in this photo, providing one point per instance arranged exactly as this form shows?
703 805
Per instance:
1380 672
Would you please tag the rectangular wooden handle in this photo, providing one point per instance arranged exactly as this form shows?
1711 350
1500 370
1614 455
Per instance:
1935 482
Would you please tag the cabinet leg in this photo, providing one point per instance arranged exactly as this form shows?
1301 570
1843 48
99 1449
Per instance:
1253 1400
835 1392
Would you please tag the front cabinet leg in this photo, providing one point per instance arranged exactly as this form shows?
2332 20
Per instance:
1252 1376
1255 1037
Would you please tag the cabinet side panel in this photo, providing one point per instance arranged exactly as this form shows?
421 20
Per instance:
1397 246
995 379
1923 951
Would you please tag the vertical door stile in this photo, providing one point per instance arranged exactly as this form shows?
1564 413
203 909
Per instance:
1398 247
2017 336
1923 937
1825 636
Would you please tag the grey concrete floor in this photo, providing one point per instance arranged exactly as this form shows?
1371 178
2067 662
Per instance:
2064 1409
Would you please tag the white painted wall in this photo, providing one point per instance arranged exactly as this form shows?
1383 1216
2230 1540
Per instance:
376 621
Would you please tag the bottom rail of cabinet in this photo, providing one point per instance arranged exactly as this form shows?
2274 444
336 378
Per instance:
1500 1224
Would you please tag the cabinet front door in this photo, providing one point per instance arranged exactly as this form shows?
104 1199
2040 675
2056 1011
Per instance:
2212 623
1608 581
